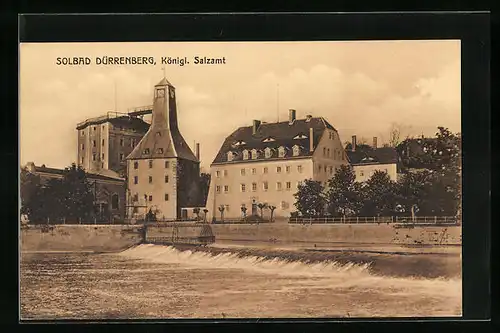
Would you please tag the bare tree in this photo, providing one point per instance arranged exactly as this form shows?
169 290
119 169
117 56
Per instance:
394 134
221 210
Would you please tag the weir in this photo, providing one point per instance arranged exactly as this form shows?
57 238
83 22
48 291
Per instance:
175 233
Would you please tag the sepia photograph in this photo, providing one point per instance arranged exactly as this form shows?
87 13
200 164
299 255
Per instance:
229 180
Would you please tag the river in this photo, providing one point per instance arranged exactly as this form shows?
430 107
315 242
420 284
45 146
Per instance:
159 282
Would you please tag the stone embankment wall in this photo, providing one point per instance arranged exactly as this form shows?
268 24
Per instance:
79 237
340 233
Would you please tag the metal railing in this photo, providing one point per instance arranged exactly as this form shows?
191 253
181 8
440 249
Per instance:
421 220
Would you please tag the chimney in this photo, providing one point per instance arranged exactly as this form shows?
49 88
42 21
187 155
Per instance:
308 118
256 124
353 143
311 139
375 142
291 116
198 151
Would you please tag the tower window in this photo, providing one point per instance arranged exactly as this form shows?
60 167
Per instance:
121 142
93 143
102 156
94 128
114 201
82 133
136 180
150 179
132 143
83 146
94 157
136 197
102 142
254 187
166 196
166 178
82 160
136 165
150 198
121 156
150 164
167 164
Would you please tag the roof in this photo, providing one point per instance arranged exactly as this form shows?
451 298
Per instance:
383 155
60 172
164 82
283 134
115 118
162 143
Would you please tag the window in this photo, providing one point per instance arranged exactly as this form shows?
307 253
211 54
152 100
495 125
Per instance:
299 168
158 134
319 168
361 173
278 186
324 151
217 189
217 174
268 152
255 154
166 196
338 155
278 169
93 143
102 144
150 198
82 133
328 152
284 205
288 169
146 151
243 187
136 165
265 169
227 208
325 168
136 180
226 188
300 136
94 156
121 156
114 201
265 186
94 128
150 179
102 155
254 187
136 197
288 186
281 151
268 139
121 142
83 146
254 171
245 154
150 164
132 143
331 170
159 151
296 150
242 172
230 156
330 135
167 165
82 160
102 165
225 173
166 178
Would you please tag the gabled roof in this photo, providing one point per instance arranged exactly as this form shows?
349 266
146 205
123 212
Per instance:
383 155
117 120
105 175
282 132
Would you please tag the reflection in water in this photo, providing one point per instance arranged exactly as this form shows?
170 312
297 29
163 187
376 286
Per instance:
151 281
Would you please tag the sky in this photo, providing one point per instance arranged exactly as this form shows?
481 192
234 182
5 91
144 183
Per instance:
361 87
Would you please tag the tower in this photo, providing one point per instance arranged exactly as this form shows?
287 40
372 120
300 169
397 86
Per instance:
162 170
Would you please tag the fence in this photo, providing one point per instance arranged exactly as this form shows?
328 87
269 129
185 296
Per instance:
377 219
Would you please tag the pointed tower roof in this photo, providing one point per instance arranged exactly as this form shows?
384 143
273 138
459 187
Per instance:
164 82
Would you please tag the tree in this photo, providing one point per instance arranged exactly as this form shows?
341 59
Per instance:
221 210
76 194
344 196
151 216
394 135
204 187
272 208
379 194
261 206
310 199
244 211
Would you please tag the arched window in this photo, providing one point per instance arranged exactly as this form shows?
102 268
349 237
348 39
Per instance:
255 154
114 201
281 151
268 152
296 150
230 156
245 154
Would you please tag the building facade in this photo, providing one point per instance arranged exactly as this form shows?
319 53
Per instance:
366 162
104 142
162 171
109 192
265 162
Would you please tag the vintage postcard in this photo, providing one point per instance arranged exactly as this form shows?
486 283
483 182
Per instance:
164 180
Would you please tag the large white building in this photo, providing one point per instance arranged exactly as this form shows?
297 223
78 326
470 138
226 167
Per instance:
265 162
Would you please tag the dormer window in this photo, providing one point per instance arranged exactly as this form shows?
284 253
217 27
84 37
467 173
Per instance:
300 136
230 156
146 151
367 159
296 150
245 154
268 152
239 143
159 151
268 139
255 154
281 151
